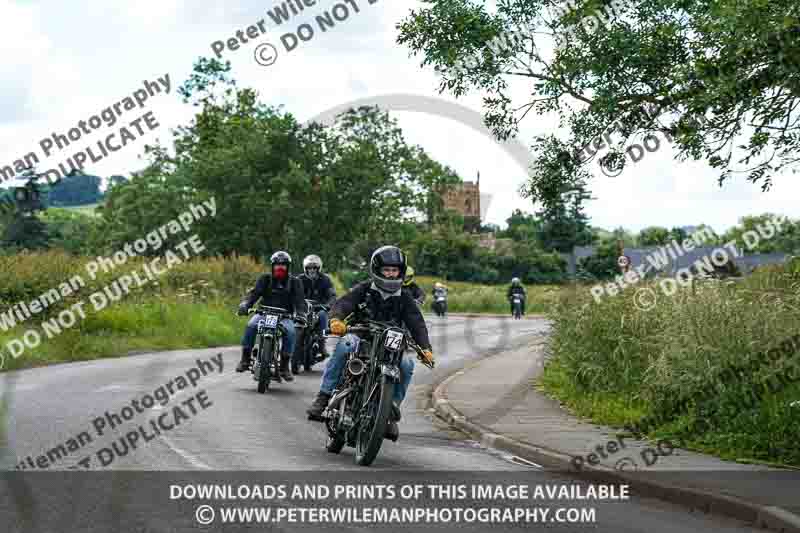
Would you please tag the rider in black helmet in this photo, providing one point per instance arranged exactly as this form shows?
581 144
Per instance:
384 301
516 288
276 289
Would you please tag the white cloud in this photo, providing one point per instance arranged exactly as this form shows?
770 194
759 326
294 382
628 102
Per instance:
66 61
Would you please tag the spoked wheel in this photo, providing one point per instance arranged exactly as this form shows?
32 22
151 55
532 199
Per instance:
310 354
373 424
265 359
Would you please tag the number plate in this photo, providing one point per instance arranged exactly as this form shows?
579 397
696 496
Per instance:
393 340
269 321
517 300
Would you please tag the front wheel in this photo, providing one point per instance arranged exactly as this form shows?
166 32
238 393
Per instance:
373 426
265 358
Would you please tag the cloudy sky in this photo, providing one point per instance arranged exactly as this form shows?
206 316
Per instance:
65 61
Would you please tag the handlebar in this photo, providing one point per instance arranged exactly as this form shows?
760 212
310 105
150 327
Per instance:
374 327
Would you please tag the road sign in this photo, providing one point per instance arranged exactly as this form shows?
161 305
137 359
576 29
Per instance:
623 261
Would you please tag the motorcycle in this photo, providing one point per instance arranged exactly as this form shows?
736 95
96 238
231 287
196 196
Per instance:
358 412
517 306
265 358
311 350
440 305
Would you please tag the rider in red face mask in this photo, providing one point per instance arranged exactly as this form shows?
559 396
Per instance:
276 289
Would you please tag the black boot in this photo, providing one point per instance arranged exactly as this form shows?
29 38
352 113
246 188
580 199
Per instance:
392 431
284 371
244 364
320 403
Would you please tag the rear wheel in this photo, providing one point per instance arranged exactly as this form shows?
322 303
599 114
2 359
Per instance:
265 359
373 425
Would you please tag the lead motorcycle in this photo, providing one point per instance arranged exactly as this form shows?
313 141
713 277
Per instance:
265 358
358 412
311 350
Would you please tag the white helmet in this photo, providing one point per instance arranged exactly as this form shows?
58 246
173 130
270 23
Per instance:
438 285
312 261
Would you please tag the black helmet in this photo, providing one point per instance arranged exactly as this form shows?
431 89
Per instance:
281 258
387 256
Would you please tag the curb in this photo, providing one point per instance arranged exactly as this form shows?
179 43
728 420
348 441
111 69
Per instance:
762 516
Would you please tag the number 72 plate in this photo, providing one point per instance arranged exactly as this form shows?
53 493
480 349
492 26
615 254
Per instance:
270 321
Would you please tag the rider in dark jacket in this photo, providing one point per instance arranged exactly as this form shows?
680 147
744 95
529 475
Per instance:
410 286
318 287
516 288
276 289
380 299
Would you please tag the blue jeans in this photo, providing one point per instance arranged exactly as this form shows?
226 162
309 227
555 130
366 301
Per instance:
287 324
323 319
348 344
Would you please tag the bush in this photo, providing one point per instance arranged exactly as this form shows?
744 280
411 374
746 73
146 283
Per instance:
619 365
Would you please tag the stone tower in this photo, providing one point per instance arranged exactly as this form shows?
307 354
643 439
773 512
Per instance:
465 199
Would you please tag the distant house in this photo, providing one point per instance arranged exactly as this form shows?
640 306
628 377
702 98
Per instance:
666 261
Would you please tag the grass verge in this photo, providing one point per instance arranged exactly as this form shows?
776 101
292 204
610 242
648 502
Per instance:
693 366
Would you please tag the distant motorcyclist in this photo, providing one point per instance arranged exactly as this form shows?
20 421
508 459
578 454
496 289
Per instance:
383 300
516 288
317 286
276 289
439 298
410 286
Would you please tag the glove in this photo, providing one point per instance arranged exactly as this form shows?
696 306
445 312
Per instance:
337 327
427 358
242 310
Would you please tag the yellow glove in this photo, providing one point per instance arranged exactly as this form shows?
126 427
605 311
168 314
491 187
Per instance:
427 358
338 327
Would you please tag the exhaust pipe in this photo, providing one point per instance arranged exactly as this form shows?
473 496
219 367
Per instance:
356 366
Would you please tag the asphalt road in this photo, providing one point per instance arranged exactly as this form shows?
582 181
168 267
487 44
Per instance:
230 427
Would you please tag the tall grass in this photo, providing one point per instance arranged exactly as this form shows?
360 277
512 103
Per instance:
619 365
191 305
473 298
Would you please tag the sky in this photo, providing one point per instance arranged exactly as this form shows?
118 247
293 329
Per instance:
64 62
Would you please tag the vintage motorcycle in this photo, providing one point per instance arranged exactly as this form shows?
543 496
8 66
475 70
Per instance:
516 303
311 350
265 359
358 412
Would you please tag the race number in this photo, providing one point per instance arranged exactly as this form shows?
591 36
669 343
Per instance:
269 321
393 340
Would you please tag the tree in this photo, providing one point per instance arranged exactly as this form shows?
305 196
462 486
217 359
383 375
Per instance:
601 265
522 227
709 76
75 189
749 239
654 236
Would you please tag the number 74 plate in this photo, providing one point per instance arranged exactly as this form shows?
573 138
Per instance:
393 339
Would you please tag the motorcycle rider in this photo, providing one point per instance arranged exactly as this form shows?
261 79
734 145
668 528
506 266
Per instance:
439 290
317 286
381 298
516 288
276 289
410 285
